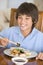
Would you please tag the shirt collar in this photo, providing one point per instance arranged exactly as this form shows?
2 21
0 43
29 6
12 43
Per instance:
32 33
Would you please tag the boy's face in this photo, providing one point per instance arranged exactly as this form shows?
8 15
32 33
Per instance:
24 22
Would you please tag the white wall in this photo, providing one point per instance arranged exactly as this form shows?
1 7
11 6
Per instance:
3 4
16 3
32 1
3 12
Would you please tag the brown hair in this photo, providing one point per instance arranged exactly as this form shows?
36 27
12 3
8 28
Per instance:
29 9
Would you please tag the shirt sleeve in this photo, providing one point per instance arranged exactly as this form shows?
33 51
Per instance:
5 33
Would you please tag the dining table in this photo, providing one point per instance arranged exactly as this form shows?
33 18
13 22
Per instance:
6 60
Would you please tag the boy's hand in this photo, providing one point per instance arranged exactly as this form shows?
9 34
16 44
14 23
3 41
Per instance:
40 56
4 41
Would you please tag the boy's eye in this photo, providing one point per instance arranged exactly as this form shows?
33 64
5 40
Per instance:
19 17
27 18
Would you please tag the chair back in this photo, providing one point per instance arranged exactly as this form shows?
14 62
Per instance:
13 21
39 24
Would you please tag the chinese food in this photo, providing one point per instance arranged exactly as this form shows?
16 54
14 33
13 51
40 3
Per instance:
20 52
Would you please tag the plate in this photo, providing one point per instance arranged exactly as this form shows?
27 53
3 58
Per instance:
27 54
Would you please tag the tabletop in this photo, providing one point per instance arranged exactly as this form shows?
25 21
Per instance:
6 60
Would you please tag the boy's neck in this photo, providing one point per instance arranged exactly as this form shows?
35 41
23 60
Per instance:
26 32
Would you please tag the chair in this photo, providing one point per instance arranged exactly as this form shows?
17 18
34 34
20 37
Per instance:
13 21
39 24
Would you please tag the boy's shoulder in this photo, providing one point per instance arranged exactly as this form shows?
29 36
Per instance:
14 28
39 32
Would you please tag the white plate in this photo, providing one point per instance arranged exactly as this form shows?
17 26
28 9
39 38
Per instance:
8 52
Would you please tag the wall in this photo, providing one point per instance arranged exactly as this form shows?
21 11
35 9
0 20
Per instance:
4 18
16 3
3 4
39 4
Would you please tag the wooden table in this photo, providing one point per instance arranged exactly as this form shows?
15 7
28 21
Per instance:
6 60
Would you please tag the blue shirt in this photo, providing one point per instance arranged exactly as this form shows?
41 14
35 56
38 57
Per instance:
34 41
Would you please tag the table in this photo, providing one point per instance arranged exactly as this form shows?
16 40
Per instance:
6 60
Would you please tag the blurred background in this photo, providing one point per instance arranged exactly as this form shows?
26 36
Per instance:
5 10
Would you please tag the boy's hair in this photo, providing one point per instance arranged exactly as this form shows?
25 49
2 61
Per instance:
28 9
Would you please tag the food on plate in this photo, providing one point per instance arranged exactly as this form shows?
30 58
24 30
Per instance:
20 52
